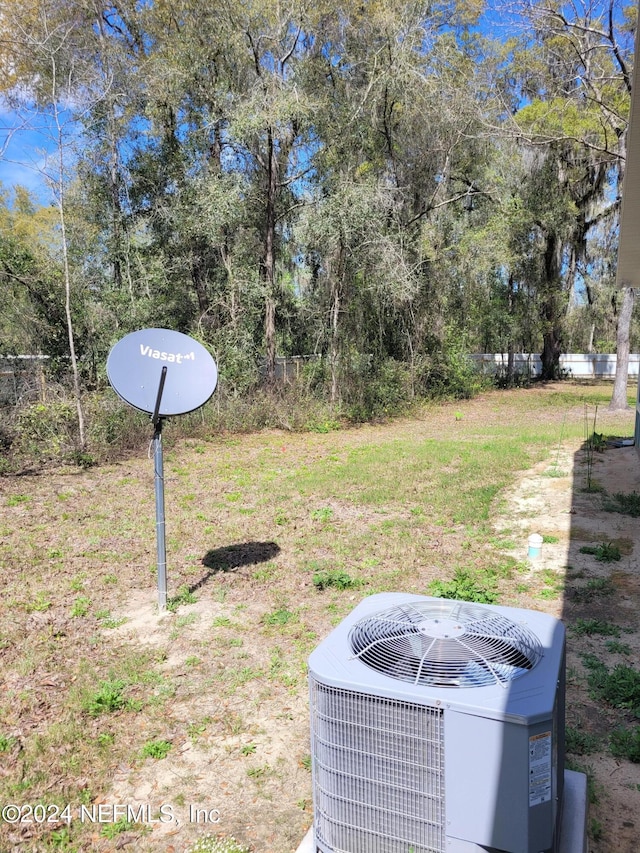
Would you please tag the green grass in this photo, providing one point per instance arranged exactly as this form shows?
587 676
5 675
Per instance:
581 742
324 514
619 687
334 578
427 473
467 585
595 829
112 830
590 627
7 742
16 500
39 603
186 620
210 844
108 621
605 552
616 647
106 699
594 589
80 606
157 749
183 596
553 584
625 504
316 521
625 743
279 617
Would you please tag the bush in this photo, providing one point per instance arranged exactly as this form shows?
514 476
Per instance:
46 430
518 379
113 427
236 359
292 408
451 373
371 389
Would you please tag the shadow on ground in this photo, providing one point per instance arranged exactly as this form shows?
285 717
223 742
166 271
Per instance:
584 503
232 557
600 611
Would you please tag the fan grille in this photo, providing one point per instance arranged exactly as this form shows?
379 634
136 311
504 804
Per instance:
445 644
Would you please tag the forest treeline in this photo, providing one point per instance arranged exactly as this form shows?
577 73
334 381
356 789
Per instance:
386 185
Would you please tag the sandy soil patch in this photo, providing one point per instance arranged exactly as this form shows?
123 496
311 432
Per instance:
552 500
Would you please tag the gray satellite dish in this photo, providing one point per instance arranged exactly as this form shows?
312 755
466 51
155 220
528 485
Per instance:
164 373
135 368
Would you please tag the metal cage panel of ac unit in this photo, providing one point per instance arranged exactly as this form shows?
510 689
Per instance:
400 767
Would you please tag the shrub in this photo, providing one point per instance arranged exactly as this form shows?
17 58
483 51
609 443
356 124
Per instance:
46 430
450 373
374 389
114 427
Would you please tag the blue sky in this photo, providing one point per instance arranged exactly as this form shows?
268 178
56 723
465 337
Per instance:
22 156
22 151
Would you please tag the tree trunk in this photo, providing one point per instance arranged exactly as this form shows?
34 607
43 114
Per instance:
113 167
552 310
58 187
334 353
619 398
199 277
337 278
67 290
268 266
511 360
550 356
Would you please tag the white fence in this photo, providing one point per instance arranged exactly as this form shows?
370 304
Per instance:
577 365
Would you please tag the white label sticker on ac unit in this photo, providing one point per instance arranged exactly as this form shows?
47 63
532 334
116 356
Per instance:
540 768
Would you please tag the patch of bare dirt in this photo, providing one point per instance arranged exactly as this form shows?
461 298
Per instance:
554 500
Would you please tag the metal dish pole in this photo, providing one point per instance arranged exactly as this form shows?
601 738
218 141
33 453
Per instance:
158 463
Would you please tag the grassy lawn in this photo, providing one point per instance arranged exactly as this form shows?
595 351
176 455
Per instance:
271 539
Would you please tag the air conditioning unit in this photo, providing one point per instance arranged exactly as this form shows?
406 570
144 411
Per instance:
438 727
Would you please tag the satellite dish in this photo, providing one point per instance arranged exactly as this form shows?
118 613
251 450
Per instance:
136 368
164 373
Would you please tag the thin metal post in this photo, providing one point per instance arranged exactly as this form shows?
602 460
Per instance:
158 465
